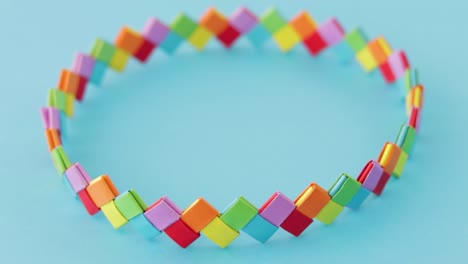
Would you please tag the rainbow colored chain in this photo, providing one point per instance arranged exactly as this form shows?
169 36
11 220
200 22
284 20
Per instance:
185 226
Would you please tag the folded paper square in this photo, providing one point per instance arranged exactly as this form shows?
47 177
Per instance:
180 233
88 203
238 214
83 65
129 40
199 214
296 223
228 36
163 213
183 25
99 70
388 157
258 35
243 20
356 39
171 42
155 31
53 138
77 177
113 215
60 160
103 51
315 43
359 198
373 177
344 189
200 38
276 209
260 229
272 20
380 50
214 21
219 232
102 190
415 98
145 50
119 60
366 59
130 204
286 38
329 212
405 138
331 32
303 24
312 200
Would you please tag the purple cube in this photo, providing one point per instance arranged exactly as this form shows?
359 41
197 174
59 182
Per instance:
277 209
163 213
243 20
83 65
155 31
397 63
77 177
373 177
331 31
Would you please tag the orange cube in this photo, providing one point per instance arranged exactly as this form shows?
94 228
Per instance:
199 214
129 40
312 200
68 82
53 138
304 24
102 190
388 157
380 50
214 21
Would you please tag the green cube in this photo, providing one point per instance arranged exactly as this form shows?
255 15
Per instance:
57 99
344 189
409 140
239 213
272 20
329 212
130 204
184 26
60 159
103 51
356 39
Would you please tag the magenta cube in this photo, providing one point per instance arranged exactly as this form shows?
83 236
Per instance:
45 117
155 31
77 177
331 31
373 177
83 65
243 20
398 63
277 209
54 118
163 213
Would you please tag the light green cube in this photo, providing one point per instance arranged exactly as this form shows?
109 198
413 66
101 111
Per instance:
329 212
272 20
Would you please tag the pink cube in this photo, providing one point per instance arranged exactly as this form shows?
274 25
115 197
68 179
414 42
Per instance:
163 213
83 65
50 117
243 20
331 31
398 63
77 177
155 31
277 209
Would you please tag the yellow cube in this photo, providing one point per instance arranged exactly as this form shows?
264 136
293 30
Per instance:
385 46
113 215
329 212
286 38
219 232
400 164
69 101
200 38
366 59
119 60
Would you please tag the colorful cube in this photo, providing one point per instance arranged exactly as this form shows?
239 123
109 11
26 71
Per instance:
199 214
180 233
388 157
77 177
373 177
141 223
214 21
414 118
228 36
260 229
315 44
155 31
53 138
88 203
68 82
83 65
258 35
408 81
343 51
415 98
366 59
398 62
200 38
331 32
359 198
329 212
113 215
99 71
219 232
183 25
380 50
276 209
238 214
145 50
243 20
171 42
102 190
400 165
286 38
103 51
129 40
303 24
130 204
163 213
356 39
60 160
405 139
312 200
344 189
272 20
296 223
120 60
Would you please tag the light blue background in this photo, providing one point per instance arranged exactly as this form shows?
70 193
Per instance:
222 124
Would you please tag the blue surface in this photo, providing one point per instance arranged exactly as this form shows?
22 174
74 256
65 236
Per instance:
223 124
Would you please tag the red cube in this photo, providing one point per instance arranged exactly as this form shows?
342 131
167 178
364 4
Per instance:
228 36
181 234
387 72
88 203
144 51
296 222
315 43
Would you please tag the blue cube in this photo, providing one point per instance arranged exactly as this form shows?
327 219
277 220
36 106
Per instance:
260 229
258 35
171 42
358 199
